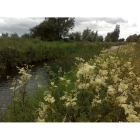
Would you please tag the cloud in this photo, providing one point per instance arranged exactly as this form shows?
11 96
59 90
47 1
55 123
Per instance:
128 26
18 25
101 24
112 20
134 25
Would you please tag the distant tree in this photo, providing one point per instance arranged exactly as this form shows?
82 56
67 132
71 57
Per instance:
85 34
71 36
14 35
132 38
6 35
26 35
53 28
121 40
90 36
108 37
100 38
113 36
77 36
138 38
45 31
95 36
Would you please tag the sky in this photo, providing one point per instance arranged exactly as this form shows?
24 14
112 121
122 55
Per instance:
128 26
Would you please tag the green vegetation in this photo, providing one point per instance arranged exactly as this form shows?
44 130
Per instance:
113 36
133 38
16 51
52 28
104 88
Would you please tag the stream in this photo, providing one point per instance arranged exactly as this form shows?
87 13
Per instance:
39 71
39 76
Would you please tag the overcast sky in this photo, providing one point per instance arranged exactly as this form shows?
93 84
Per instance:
128 26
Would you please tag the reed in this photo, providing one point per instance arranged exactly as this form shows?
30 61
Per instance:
16 51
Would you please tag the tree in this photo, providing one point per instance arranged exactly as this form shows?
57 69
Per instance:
89 35
72 36
121 40
77 36
26 35
108 37
53 28
113 36
14 35
5 35
132 38
85 34
99 38
95 36
44 31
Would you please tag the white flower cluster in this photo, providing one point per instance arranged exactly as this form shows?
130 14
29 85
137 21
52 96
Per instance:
25 76
46 107
42 112
112 73
48 97
23 79
110 77
69 100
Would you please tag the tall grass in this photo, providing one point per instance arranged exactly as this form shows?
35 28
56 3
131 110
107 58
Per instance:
16 51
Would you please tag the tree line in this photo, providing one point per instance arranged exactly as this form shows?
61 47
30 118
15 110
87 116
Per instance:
52 29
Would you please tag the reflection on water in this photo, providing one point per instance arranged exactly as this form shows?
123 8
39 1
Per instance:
39 76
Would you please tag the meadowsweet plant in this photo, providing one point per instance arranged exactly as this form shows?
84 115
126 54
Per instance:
103 89
24 78
19 88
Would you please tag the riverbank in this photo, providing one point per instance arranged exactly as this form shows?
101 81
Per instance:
91 49
66 90
16 52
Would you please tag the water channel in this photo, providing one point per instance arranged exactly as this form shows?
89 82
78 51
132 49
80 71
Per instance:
39 76
37 71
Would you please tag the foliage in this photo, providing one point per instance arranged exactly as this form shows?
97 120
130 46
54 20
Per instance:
25 107
5 35
99 38
71 36
91 36
77 36
113 36
14 35
133 38
104 89
19 51
26 35
85 33
121 40
52 28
